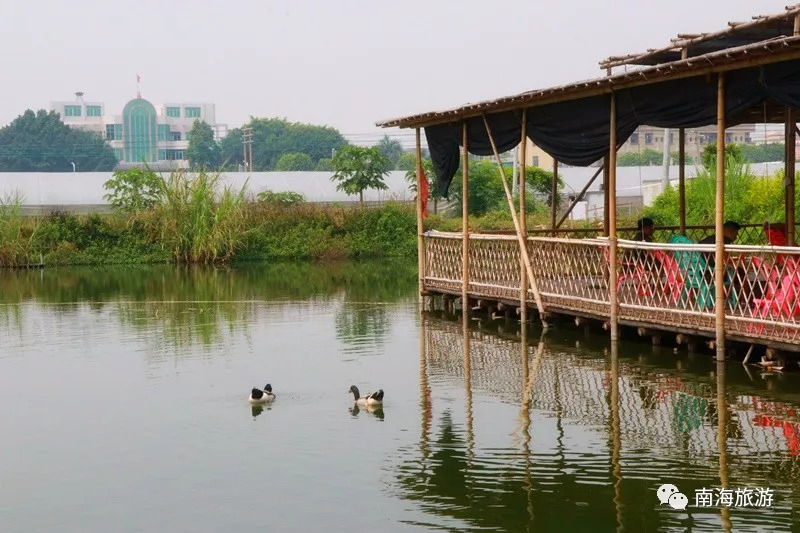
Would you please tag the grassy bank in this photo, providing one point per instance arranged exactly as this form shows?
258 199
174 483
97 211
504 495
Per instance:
186 233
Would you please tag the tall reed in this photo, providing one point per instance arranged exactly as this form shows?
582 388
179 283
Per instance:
197 219
16 241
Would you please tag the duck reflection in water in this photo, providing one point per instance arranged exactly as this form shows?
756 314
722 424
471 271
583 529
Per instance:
376 411
256 410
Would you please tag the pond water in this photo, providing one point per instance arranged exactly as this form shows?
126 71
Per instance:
124 408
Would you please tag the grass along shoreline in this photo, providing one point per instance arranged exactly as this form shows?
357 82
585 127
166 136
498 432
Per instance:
258 232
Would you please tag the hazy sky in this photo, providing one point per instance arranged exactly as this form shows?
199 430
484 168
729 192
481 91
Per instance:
345 63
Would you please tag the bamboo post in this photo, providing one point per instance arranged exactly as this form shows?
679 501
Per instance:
553 196
719 257
578 198
789 178
605 196
611 217
682 178
521 239
523 275
420 227
464 223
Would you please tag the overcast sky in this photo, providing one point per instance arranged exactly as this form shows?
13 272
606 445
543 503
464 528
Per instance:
345 63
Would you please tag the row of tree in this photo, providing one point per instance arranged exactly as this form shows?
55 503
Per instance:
41 142
278 145
749 153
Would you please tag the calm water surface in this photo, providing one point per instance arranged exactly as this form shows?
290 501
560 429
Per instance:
124 408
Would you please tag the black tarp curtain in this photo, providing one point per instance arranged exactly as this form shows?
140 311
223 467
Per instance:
576 132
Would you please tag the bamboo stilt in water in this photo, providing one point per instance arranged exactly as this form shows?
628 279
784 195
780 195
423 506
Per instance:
722 440
521 239
612 221
523 275
719 256
420 227
682 178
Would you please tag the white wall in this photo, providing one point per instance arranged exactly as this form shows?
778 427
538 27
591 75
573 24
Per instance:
86 188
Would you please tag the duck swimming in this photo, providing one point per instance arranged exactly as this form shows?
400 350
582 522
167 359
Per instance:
369 399
262 396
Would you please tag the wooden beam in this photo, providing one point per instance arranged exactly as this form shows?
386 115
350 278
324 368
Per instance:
612 221
420 225
465 222
719 265
523 274
682 179
521 239
579 197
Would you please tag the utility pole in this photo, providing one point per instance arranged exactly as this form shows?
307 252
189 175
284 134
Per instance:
247 147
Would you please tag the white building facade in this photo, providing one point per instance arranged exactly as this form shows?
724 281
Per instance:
157 135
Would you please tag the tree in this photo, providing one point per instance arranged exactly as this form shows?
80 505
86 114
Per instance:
391 149
324 165
540 182
133 190
357 169
203 151
231 148
407 161
733 153
273 137
486 192
41 142
294 161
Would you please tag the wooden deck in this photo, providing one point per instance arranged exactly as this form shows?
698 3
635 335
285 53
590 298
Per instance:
572 277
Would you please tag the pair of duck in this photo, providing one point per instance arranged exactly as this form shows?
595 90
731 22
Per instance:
371 399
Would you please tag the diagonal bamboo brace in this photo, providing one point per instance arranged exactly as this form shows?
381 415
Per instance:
520 237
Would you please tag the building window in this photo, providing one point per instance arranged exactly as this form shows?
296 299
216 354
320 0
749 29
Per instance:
139 124
648 138
163 132
72 110
174 112
634 138
174 155
536 160
728 138
119 153
92 110
192 112
188 136
113 132
162 155
175 135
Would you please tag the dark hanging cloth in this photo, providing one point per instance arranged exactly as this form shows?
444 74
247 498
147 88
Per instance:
576 132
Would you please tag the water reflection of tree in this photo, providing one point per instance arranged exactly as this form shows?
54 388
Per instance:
363 316
192 304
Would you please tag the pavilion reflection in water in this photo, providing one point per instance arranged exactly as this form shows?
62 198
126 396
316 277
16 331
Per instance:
588 437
